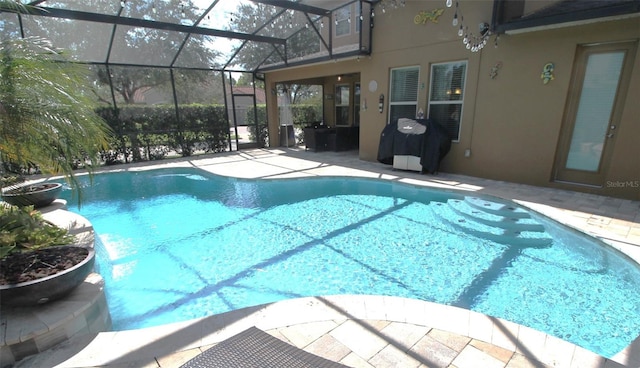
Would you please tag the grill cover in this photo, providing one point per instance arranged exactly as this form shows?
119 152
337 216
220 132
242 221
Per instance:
423 138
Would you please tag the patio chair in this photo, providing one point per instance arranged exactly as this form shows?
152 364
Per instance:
256 348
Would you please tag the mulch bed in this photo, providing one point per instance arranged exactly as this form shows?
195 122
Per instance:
28 266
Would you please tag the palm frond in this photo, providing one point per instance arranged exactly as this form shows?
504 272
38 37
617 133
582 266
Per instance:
47 118
16 7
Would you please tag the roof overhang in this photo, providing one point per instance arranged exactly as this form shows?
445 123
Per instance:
571 24
567 13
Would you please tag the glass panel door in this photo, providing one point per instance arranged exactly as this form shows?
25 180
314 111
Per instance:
342 104
588 133
594 111
242 105
356 105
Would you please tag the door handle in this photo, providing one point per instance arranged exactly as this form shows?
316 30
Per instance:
610 135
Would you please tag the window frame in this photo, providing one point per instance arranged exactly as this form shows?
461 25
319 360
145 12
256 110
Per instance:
345 13
403 103
460 102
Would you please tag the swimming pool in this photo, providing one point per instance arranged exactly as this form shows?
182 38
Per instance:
180 244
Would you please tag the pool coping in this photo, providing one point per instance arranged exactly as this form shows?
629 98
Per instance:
187 339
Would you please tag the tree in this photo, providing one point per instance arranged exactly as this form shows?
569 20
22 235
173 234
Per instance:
293 26
158 48
198 86
244 80
300 93
247 80
130 82
89 42
46 115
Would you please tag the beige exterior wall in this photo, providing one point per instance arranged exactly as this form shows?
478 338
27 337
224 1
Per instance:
518 118
511 123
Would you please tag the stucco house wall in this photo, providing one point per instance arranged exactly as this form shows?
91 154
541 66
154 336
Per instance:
511 123
517 121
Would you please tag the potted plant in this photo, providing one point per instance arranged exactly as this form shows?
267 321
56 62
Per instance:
36 195
47 123
16 192
38 261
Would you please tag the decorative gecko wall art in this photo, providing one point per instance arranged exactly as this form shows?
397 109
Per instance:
424 16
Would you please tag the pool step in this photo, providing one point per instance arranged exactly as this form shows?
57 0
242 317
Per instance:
516 223
498 222
497 208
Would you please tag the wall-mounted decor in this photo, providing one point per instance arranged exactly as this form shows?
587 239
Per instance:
471 41
547 73
494 70
424 16
373 86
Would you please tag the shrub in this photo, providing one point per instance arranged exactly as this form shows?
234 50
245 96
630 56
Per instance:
24 229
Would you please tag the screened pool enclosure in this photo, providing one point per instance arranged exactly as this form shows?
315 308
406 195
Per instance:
187 76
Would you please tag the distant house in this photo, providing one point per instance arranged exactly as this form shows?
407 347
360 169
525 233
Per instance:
249 90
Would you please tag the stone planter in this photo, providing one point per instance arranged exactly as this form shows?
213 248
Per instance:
47 288
38 195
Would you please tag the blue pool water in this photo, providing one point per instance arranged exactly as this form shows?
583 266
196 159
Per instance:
179 244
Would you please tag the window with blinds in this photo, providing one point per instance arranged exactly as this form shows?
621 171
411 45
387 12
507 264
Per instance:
343 21
403 94
446 95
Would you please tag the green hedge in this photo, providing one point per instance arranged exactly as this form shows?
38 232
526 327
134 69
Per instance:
150 132
263 137
306 114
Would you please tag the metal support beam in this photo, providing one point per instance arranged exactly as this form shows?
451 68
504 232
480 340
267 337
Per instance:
152 24
287 4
